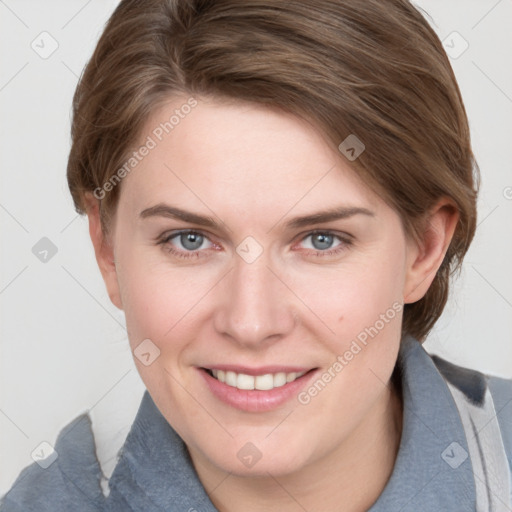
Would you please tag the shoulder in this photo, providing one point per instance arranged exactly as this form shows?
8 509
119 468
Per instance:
474 385
68 479
501 390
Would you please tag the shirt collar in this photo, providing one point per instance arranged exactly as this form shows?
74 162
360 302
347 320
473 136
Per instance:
431 472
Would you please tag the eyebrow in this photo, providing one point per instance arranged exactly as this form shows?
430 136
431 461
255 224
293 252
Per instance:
171 212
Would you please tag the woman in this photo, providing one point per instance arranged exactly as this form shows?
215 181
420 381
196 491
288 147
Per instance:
277 195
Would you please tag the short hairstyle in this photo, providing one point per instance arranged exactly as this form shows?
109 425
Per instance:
374 69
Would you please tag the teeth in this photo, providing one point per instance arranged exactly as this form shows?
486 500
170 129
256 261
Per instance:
245 381
279 379
260 382
264 382
291 376
231 379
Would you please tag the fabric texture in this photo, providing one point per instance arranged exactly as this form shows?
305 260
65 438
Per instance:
433 470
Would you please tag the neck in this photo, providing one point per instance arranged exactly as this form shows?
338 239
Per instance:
354 474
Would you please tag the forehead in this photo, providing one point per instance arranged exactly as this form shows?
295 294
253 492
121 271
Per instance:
247 156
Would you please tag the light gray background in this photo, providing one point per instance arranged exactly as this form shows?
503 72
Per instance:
63 344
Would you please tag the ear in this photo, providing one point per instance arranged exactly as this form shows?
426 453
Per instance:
103 249
425 257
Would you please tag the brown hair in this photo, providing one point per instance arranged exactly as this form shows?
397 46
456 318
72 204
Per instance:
372 68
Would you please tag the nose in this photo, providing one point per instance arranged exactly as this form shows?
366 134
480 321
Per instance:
254 306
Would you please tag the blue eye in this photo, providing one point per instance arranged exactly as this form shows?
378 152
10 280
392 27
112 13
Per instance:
191 241
321 243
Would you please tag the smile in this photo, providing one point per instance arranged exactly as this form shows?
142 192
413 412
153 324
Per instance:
260 389
259 382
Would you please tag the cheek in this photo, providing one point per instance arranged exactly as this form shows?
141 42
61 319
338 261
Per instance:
353 295
164 304
154 300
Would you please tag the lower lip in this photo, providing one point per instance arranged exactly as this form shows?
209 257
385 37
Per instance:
255 400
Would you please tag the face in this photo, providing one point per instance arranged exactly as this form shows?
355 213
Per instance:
221 264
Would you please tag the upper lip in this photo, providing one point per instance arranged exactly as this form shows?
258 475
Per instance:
260 370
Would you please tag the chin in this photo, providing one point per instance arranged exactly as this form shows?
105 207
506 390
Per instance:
260 459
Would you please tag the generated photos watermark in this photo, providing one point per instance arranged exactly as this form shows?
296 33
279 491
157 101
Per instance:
149 144
356 346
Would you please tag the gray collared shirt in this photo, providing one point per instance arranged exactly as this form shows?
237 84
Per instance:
432 472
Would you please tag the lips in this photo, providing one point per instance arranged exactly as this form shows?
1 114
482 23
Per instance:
240 386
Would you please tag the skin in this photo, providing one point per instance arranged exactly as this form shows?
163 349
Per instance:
252 169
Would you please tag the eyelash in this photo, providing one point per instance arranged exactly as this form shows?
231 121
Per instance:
166 238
